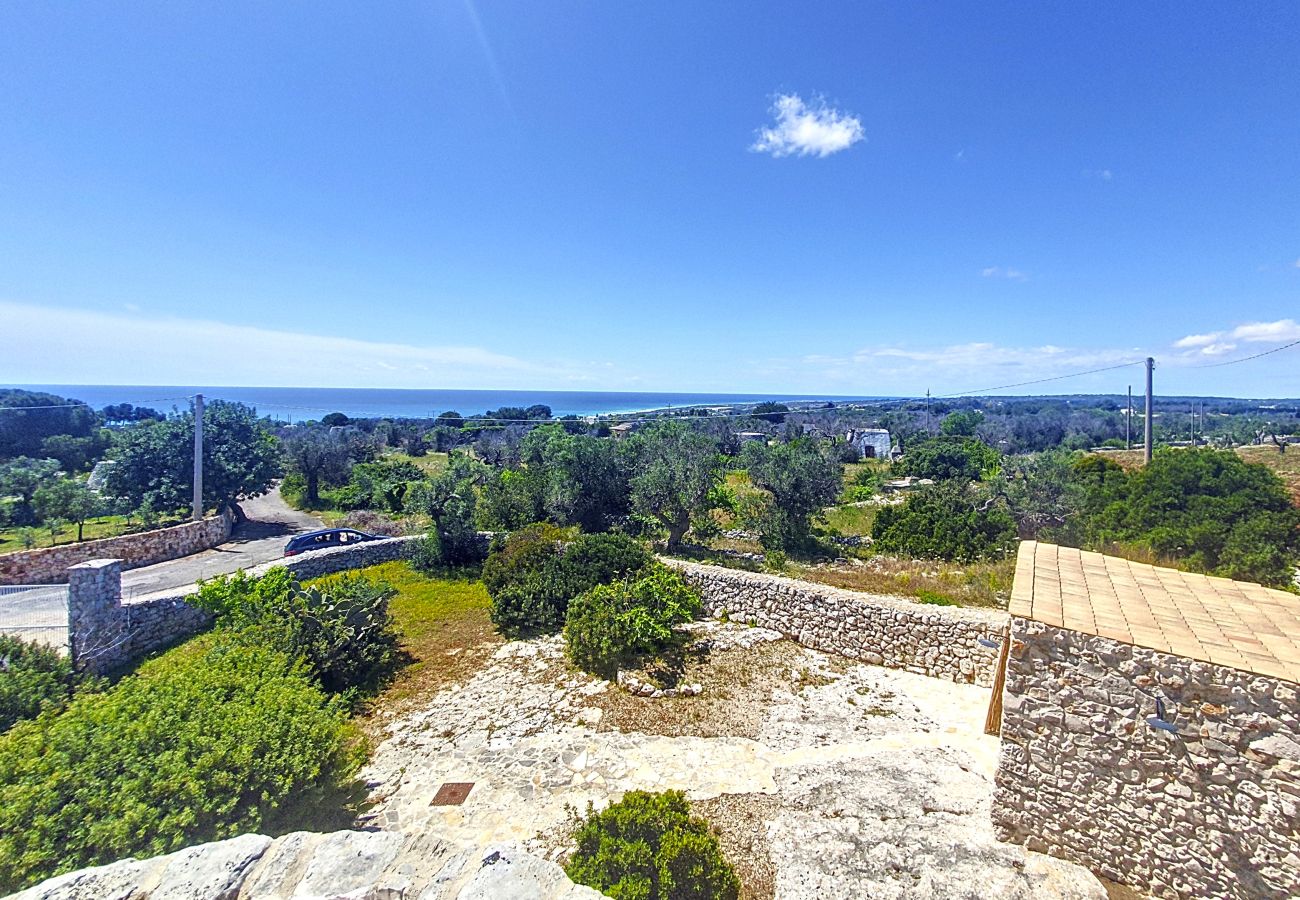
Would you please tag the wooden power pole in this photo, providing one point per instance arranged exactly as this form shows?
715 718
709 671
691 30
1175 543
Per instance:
1151 364
198 457
1128 421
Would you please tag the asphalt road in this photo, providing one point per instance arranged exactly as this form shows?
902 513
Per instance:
40 613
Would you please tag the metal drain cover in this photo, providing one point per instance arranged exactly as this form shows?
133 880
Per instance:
452 793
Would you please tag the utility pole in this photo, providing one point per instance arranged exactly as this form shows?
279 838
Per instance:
1128 421
198 457
1151 364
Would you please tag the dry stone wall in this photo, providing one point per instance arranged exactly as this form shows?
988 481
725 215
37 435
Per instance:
1210 809
105 633
939 641
50 565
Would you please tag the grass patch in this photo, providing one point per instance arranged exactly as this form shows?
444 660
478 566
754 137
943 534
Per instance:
445 632
851 519
1285 465
986 584
431 463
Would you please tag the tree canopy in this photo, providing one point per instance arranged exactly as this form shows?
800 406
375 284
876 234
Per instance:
676 470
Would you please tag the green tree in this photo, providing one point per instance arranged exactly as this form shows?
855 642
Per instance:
948 457
951 520
317 454
450 500
27 418
153 461
962 423
802 477
649 847
66 500
1212 510
582 480
1045 495
676 471
76 454
33 678
770 411
21 478
383 483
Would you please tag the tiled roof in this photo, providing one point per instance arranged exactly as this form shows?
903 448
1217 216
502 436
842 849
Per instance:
1217 620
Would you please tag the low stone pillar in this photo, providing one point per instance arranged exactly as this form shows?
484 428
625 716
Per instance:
94 600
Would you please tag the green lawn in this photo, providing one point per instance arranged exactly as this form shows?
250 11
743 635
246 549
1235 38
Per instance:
445 631
851 520
431 463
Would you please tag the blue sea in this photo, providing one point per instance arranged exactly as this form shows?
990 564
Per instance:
297 404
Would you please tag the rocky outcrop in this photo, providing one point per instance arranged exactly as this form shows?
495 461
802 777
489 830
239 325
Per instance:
344 865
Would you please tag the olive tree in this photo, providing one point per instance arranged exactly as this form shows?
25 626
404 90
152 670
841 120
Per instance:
676 470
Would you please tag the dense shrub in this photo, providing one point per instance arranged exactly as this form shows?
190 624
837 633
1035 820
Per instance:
945 521
371 522
211 740
450 501
534 575
33 678
1208 508
802 477
948 457
611 623
342 629
649 847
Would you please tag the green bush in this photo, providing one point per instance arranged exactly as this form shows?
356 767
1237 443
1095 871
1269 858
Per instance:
649 847
948 457
33 679
213 739
612 623
945 521
534 575
341 629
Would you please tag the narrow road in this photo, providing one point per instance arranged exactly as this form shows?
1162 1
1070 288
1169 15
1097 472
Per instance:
41 614
260 539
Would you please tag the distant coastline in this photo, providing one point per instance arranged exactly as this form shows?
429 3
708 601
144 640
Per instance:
297 404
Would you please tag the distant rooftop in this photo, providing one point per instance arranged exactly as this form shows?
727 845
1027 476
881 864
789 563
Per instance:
1216 620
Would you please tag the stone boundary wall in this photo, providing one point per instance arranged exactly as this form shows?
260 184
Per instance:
105 633
1209 810
939 641
50 565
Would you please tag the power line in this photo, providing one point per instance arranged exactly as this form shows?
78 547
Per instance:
1233 362
1003 387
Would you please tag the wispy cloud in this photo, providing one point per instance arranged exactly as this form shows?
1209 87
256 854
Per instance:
1007 272
69 346
1219 343
1098 174
803 129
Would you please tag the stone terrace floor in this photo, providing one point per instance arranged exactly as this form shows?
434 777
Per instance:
1215 620
829 779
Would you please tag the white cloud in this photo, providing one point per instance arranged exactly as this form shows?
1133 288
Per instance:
1281 330
1198 340
1008 273
1099 174
71 346
1297 263
1218 349
807 130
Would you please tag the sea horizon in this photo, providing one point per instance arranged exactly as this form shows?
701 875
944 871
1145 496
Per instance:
305 403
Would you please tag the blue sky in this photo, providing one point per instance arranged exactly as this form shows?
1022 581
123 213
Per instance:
588 195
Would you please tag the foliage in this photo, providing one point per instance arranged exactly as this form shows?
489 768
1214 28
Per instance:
533 575
22 477
610 623
214 739
580 480
802 477
318 454
76 454
649 847
33 678
66 499
962 423
676 472
449 499
946 521
1210 509
335 420
383 484
1045 494
948 457
512 498
770 411
153 461
23 432
370 522
340 628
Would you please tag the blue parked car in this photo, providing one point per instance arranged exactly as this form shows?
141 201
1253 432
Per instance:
326 538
